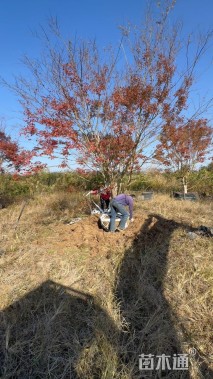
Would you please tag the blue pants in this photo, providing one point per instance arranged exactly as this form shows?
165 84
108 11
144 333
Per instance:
116 207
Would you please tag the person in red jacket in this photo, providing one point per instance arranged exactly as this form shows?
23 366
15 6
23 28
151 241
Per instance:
105 195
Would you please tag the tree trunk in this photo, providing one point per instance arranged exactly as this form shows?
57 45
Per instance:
184 187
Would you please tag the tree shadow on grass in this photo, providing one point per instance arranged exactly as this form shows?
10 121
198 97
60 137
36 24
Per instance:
57 332
139 289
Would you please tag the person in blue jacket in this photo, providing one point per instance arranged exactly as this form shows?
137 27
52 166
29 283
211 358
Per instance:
118 204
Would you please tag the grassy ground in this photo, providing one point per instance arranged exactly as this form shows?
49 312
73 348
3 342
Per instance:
77 302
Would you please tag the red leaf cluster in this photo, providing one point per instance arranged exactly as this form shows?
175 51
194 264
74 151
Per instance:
11 155
184 145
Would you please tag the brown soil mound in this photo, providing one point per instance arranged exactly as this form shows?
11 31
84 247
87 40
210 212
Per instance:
87 234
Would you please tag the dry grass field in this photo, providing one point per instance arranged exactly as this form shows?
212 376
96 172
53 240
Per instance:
77 302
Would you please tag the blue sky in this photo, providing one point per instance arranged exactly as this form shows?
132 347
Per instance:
20 19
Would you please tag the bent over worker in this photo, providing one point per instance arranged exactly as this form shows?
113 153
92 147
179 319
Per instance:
118 204
105 195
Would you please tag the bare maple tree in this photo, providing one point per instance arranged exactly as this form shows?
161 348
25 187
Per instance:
107 107
183 146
